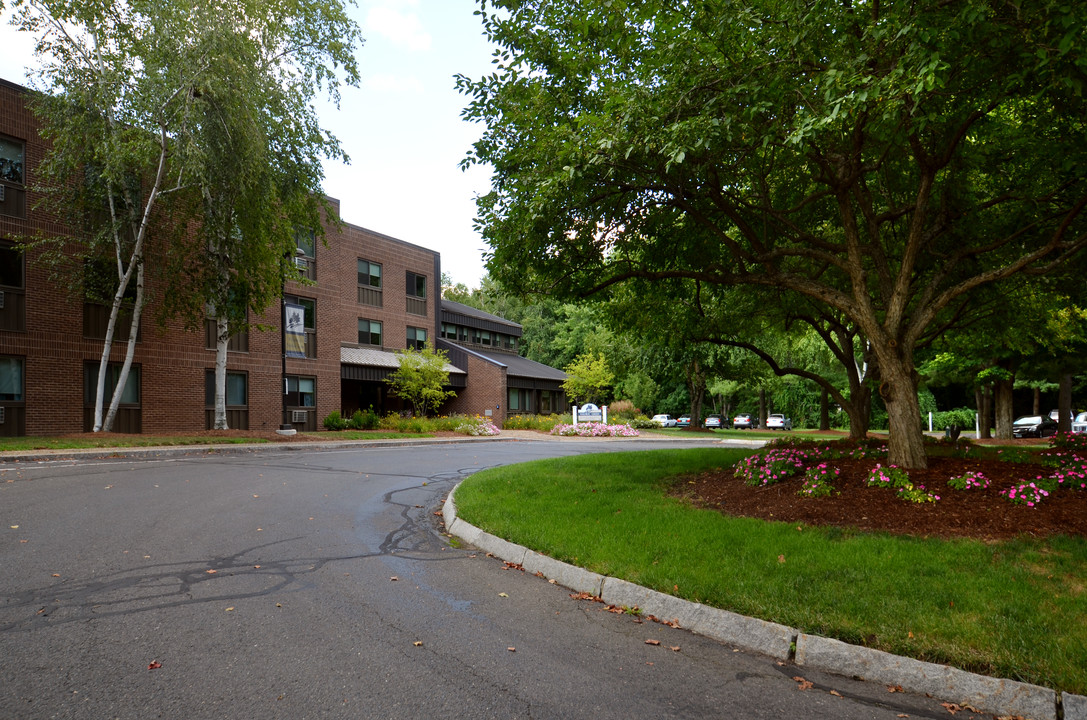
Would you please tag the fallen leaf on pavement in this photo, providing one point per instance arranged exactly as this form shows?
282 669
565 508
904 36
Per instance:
394 578
212 572
155 665
674 648
512 649
951 707
652 642
418 643
835 693
230 609
56 574
502 595
804 684
895 688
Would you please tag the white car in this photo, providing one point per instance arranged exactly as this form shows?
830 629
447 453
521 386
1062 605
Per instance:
1079 425
665 420
778 422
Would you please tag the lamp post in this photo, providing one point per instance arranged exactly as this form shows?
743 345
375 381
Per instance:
285 428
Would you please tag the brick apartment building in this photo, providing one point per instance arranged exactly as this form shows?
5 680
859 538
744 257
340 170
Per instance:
370 294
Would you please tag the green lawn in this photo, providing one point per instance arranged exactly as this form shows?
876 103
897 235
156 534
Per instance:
108 440
1011 609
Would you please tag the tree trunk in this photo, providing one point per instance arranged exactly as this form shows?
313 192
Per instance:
859 411
983 394
1064 403
696 385
222 337
762 409
1003 408
905 444
1037 402
824 410
133 332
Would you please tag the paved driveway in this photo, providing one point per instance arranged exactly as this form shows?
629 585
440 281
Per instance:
317 584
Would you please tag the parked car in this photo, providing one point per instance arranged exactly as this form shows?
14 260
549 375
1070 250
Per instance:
744 421
1034 426
779 422
665 420
714 421
683 421
1079 424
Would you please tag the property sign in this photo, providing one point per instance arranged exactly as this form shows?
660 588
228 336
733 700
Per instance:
294 330
590 413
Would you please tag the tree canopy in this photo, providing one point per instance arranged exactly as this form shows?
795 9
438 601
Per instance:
884 160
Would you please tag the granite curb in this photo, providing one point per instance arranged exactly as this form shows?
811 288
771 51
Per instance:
987 694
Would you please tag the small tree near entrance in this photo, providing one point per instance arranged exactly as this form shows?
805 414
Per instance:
421 379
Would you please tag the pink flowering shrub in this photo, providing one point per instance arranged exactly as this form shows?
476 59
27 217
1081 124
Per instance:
969 480
594 430
817 481
771 466
1025 493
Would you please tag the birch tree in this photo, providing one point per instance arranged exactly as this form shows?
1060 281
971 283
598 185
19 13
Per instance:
128 94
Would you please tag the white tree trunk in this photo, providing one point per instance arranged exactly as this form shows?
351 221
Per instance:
222 336
133 332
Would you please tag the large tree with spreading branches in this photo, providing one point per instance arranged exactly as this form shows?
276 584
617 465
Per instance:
883 159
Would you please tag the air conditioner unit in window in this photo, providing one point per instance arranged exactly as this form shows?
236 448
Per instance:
299 416
301 263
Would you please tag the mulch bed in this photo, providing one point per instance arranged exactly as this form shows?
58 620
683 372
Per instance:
981 514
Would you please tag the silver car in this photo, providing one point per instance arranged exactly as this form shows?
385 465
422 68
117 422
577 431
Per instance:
665 420
778 422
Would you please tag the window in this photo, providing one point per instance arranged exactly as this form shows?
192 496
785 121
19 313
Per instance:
485 338
301 391
417 285
369 274
12 288
369 283
12 177
304 258
131 394
11 267
416 338
416 289
306 241
369 332
449 331
310 322
520 400
11 379
12 156
237 400
237 394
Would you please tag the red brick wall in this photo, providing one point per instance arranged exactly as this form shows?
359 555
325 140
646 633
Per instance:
486 390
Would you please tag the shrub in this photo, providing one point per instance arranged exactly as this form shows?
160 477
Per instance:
963 417
817 481
968 481
772 466
533 422
368 420
334 421
477 426
1075 443
622 410
1025 493
643 423
594 430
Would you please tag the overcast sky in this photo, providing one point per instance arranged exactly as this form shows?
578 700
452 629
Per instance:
401 127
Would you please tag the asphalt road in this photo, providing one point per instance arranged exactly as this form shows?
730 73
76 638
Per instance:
318 584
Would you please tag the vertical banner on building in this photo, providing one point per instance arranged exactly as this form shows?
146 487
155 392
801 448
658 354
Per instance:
294 332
